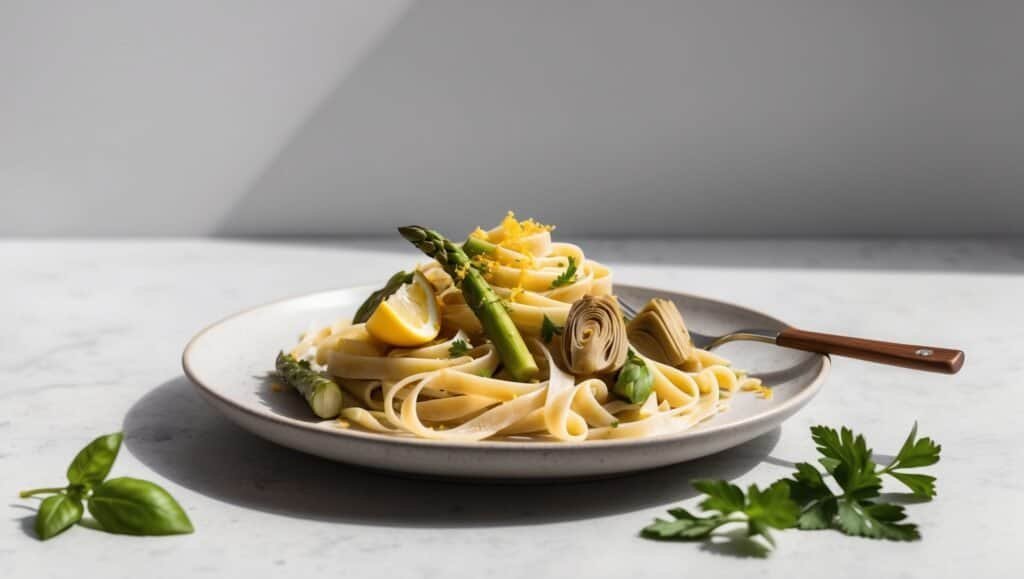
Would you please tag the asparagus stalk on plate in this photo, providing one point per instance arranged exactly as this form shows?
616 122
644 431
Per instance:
474 246
480 298
322 394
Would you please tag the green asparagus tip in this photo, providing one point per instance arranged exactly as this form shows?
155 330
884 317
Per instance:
414 233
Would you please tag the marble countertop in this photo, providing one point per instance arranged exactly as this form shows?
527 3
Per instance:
93 332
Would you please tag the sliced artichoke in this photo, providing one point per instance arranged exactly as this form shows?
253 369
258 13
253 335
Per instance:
658 332
594 341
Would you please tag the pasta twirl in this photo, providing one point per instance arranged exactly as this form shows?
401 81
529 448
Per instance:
454 388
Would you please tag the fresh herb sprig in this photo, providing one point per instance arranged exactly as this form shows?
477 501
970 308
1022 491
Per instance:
549 329
458 348
759 510
856 511
122 505
808 502
567 277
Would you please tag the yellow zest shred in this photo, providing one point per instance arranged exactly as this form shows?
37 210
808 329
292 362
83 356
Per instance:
479 233
461 271
516 293
513 231
484 262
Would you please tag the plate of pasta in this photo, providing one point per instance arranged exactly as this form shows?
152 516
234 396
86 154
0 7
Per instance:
506 355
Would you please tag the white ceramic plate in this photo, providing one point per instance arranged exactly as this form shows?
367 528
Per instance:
229 361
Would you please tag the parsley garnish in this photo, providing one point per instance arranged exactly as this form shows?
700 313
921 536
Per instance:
807 502
856 510
566 277
548 330
759 510
458 348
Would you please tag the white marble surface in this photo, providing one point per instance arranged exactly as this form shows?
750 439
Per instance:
93 331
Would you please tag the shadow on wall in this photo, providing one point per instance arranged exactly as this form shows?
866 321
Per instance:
658 118
180 437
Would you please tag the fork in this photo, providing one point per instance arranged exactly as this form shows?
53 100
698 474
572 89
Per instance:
927 358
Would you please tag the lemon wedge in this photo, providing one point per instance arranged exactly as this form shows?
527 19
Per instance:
409 317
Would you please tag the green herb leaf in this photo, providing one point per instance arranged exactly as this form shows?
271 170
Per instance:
136 507
855 471
772 507
56 514
875 521
635 381
806 501
567 277
722 496
92 464
367 308
816 501
458 348
920 485
684 527
548 330
915 453
761 511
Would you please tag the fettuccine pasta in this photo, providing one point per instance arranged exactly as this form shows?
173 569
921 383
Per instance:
455 387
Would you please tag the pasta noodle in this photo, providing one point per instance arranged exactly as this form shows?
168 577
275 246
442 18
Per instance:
441 392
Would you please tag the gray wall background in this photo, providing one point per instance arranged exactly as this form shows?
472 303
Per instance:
713 117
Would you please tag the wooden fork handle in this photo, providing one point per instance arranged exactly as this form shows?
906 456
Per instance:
926 358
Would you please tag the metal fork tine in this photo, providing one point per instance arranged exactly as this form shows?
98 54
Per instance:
627 308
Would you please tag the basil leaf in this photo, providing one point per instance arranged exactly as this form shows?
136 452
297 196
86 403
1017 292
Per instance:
92 464
56 514
131 506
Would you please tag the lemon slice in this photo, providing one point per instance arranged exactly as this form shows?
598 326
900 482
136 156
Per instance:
409 317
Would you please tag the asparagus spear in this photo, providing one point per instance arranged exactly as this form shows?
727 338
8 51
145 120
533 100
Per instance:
474 246
481 299
366 310
322 394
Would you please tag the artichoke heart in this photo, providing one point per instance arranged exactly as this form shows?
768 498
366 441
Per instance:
658 332
594 341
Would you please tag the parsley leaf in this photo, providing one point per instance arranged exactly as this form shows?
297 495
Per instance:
915 453
808 502
875 521
685 527
548 330
566 277
848 459
760 510
458 348
854 471
722 496
818 504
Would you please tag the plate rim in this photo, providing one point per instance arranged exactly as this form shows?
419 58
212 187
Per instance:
786 408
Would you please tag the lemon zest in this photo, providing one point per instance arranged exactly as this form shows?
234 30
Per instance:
516 293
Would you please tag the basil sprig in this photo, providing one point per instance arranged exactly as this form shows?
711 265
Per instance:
122 505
